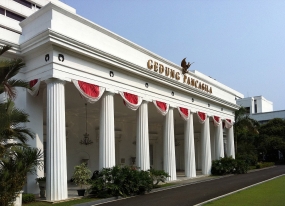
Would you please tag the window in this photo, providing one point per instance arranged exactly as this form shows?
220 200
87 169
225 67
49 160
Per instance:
2 11
14 16
255 106
25 3
247 110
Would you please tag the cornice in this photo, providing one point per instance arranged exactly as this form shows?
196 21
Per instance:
71 14
56 38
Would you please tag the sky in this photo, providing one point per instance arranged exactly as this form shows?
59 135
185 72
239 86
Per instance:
239 43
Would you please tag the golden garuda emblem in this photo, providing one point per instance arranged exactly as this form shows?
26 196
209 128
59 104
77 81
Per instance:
185 66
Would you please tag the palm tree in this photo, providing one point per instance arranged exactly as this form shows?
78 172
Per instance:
12 127
12 119
16 159
9 69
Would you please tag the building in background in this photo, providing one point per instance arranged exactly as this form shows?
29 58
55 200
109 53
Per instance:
260 109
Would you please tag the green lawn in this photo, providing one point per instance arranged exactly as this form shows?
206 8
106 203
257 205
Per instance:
269 193
72 202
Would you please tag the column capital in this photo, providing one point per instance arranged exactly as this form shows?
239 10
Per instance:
54 80
146 101
112 91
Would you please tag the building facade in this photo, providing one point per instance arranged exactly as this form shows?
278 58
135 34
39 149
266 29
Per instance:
91 85
260 109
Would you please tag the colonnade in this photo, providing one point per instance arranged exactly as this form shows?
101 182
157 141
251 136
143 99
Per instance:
56 174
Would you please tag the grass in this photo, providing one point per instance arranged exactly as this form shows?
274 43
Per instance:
72 202
269 193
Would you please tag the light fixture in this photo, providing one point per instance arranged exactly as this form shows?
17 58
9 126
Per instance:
86 139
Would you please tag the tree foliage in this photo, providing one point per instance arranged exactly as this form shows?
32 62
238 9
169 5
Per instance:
16 157
246 130
271 140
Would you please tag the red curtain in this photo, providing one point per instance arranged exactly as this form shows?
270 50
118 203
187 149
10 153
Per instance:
33 82
132 98
161 105
202 115
184 111
35 87
217 118
89 89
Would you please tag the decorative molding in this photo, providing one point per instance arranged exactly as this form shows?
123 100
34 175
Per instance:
91 52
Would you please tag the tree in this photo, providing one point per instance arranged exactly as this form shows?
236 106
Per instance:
16 157
245 132
9 69
271 140
12 127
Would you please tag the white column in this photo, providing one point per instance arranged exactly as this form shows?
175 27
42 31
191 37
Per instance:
206 148
34 108
56 174
142 139
212 140
107 132
169 162
33 105
230 142
190 164
219 142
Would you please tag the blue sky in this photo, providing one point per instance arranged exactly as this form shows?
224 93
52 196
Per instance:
240 43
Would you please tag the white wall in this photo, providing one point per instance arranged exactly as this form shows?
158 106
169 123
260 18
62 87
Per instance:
246 102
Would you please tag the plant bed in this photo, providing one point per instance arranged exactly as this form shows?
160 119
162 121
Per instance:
125 181
261 165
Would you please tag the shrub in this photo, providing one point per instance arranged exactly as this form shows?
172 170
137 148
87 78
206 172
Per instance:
260 165
241 167
249 158
26 198
228 165
81 175
158 176
123 181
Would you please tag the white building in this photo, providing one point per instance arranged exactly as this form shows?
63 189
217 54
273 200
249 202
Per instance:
145 111
260 109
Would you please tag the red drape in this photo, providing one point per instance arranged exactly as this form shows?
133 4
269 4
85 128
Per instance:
33 82
91 90
217 118
184 111
161 105
202 115
228 123
132 98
